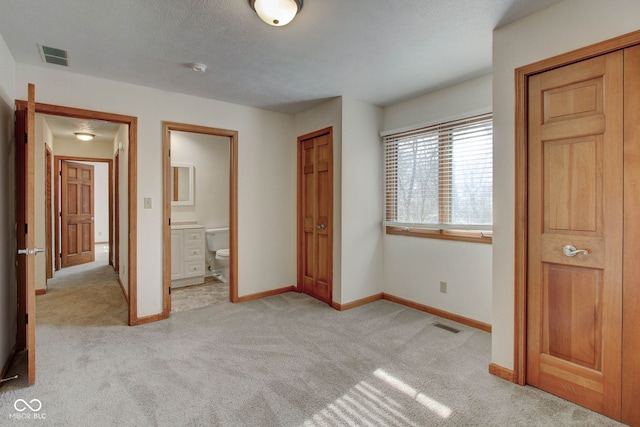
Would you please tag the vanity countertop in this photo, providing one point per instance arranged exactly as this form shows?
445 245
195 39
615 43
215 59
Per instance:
183 226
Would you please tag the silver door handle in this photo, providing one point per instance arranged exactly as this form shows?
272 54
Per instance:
571 250
30 251
320 227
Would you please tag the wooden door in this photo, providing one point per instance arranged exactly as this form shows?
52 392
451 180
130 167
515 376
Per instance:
25 232
315 212
48 210
631 268
77 216
116 213
574 303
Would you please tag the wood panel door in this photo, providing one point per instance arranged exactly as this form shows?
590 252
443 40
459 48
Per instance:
77 214
631 267
575 232
315 215
25 232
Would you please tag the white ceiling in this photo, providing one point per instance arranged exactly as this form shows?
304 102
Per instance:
378 51
65 127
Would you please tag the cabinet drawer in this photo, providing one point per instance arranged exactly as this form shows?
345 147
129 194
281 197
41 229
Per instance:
193 253
193 237
192 269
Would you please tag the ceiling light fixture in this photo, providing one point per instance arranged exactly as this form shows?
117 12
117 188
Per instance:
276 12
84 136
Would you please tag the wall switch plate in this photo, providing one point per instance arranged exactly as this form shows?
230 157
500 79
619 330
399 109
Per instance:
147 202
443 287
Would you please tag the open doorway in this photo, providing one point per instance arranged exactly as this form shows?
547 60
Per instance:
122 149
195 226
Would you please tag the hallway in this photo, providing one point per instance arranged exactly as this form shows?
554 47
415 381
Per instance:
87 294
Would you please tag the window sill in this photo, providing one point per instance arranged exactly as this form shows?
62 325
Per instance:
459 235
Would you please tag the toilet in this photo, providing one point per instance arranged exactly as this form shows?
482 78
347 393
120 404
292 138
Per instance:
218 245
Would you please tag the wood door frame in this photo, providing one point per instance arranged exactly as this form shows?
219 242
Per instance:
116 212
167 127
132 123
58 196
300 208
48 211
521 162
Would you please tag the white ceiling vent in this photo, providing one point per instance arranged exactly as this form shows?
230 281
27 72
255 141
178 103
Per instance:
52 55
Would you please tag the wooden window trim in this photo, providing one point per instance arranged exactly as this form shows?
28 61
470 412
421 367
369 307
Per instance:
472 236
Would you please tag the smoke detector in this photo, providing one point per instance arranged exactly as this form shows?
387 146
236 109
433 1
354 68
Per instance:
198 67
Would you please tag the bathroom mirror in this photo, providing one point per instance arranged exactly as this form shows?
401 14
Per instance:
181 184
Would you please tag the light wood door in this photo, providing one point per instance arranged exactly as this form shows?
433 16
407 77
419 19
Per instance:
574 303
77 215
25 232
315 201
631 268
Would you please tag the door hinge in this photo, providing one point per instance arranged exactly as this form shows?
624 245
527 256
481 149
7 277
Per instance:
169 290
26 138
169 152
26 229
169 222
26 318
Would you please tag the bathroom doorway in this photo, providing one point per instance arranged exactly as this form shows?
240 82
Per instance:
184 198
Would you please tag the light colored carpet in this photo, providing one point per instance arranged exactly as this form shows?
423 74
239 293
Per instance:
286 360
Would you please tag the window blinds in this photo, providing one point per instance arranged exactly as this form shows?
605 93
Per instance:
441 176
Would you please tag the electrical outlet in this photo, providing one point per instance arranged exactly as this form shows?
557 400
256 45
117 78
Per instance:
443 287
147 202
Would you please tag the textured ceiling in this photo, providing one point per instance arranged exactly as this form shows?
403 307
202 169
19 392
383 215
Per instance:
378 51
65 127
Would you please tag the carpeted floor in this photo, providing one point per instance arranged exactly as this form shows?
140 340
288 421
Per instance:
286 360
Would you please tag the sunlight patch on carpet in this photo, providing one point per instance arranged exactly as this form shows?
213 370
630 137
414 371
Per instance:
441 410
368 404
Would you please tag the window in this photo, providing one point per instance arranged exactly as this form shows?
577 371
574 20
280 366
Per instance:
439 180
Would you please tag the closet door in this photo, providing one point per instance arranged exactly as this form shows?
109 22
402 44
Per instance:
575 246
315 212
631 301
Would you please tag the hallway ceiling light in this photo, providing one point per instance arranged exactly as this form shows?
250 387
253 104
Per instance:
84 136
276 12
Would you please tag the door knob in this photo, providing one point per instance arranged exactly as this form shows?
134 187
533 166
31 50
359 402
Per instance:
320 227
571 250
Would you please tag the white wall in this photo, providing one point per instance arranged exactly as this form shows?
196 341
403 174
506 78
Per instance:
209 154
8 248
561 28
362 192
100 201
72 147
414 266
321 117
266 187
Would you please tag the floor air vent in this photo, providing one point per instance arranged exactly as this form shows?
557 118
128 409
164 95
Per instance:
446 328
52 55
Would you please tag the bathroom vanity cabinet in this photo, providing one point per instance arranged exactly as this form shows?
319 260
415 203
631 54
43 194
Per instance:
187 255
